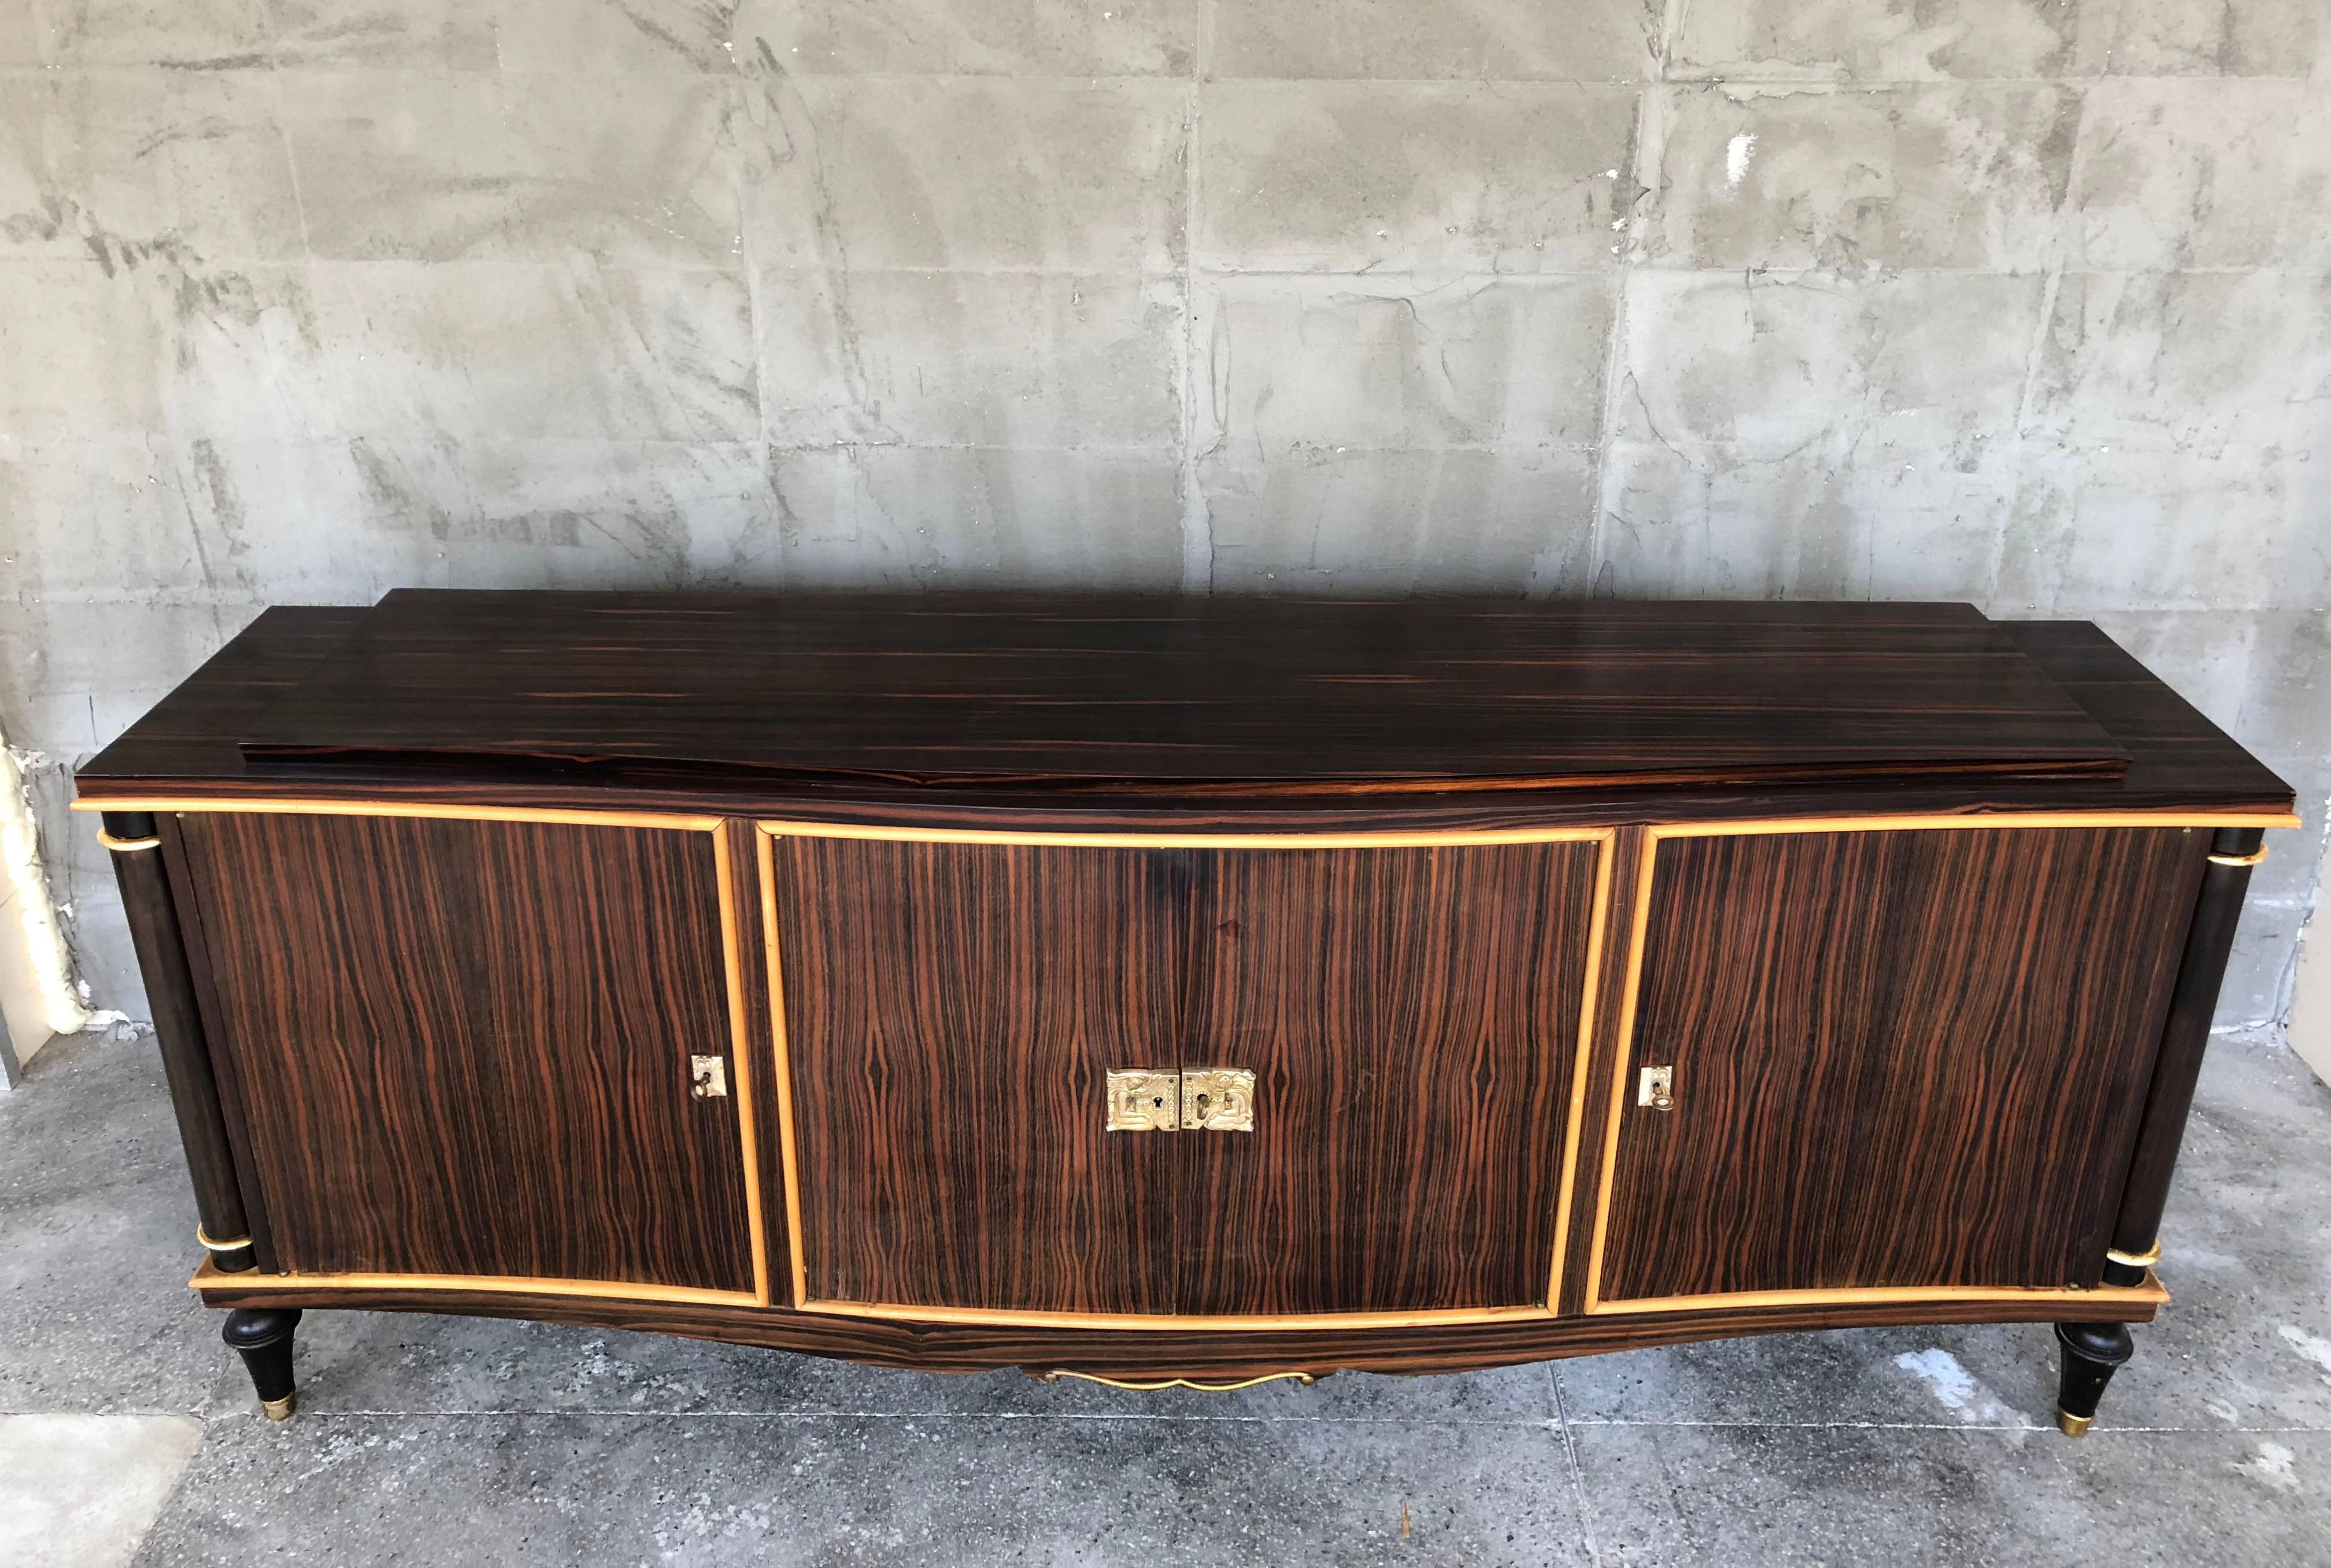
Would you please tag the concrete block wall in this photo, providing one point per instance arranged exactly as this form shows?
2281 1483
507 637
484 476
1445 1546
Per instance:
2025 302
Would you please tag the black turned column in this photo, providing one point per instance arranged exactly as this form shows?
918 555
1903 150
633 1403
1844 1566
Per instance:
2093 1352
2184 1037
135 842
261 1335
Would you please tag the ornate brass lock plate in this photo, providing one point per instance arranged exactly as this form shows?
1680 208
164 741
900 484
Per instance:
1218 1099
1145 1102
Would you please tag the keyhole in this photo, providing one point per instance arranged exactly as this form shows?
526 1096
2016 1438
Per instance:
1202 1104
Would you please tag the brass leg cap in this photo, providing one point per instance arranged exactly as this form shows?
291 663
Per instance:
280 1410
2073 1426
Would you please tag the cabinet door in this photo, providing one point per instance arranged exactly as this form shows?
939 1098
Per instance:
1902 1059
952 1011
1411 1016
462 1047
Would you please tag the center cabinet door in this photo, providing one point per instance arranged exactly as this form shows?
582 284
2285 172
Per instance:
1411 1016
951 1014
952 1011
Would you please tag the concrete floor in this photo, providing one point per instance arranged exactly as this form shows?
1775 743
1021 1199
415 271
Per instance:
126 1434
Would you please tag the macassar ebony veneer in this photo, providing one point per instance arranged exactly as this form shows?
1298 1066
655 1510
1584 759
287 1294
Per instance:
1163 990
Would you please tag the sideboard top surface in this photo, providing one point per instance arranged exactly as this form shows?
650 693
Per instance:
1068 702
1249 694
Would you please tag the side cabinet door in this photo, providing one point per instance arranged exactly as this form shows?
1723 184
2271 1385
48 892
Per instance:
1411 1016
464 1047
1901 1059
951 1014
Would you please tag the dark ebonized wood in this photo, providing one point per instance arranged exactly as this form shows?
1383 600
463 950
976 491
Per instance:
152 912
1909 1057
189 743
1627 851
2092 1352
465 1046
197 729
1148 1353
1909 1060
2184 1038
759 1010
1247 696
952 1014
1411 1016
262 1336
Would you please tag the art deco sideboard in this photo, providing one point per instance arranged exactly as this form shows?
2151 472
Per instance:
1162 991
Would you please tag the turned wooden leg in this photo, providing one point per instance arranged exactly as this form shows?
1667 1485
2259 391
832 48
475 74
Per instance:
2093 1352
261 1335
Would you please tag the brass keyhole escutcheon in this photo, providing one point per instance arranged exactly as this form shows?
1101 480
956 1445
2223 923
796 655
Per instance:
1656 1089
1215 1099
1218 1099
1145 1102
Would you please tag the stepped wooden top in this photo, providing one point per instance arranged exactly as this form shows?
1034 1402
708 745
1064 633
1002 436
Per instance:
1240 694
1067 696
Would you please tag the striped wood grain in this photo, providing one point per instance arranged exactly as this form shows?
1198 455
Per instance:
462 1046
1435 1002
1411 1016
1190 1349
1229 697
951 1011
1904 1058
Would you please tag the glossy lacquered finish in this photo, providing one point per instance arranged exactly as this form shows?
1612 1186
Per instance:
2177 1066
1125 692
1193 1350
1902 1057
261 1335
950 1012
462 1046
480 899
189 746
1410 1015
159 937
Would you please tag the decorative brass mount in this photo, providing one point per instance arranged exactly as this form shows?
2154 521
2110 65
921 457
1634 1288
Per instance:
1218 1099
211 1244
1215 1100
1055 1375
1145 1102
